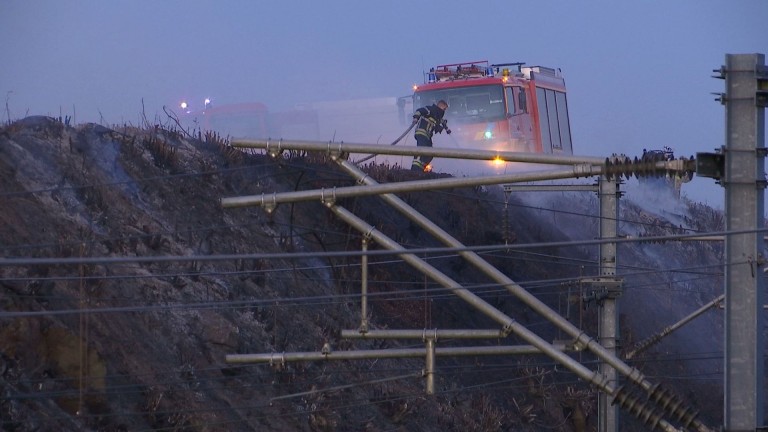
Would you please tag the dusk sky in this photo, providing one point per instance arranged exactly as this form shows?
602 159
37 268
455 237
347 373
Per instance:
639 74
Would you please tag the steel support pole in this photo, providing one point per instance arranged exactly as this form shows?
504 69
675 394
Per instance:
424 334
280 358
276 147
744 209
364 288
608 325
270 201
429 369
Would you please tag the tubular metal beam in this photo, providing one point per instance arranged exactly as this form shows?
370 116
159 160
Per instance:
429 370
279 358
424 334
364 288
274 148
550 188
645 344
270 201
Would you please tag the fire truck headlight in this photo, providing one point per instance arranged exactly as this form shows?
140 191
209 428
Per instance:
488 135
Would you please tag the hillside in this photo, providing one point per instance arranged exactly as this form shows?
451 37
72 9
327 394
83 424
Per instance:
136 338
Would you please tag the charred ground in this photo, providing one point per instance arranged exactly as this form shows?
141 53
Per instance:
139 343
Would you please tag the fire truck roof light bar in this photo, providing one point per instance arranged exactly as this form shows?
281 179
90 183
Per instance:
454 65
517 64
448 72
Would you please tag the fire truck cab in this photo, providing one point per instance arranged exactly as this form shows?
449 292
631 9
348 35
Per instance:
504 107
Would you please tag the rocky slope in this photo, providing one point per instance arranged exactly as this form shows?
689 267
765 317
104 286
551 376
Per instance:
135 338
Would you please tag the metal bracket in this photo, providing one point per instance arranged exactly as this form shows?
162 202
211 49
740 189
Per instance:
269 206
507 329
337 154
569 344
328 200
761 97
425 336
274 152
604 288
721 73
710 165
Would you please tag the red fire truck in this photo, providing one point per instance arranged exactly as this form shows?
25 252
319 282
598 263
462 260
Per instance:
504 107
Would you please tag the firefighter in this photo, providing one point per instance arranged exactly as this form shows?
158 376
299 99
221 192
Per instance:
428 120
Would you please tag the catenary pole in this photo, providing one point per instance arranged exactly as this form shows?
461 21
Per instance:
610 290
746 82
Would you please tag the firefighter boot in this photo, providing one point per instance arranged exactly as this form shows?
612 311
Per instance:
417 165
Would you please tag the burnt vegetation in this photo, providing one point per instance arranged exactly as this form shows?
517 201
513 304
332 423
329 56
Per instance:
140 344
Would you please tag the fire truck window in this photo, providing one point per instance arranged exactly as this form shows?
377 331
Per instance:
478 103
509 94
554 126
485 103
541 100
562 118
522 103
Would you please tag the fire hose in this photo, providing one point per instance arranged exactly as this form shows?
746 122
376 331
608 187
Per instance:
393 142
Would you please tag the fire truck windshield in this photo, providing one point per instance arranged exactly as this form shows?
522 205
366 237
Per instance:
467 104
